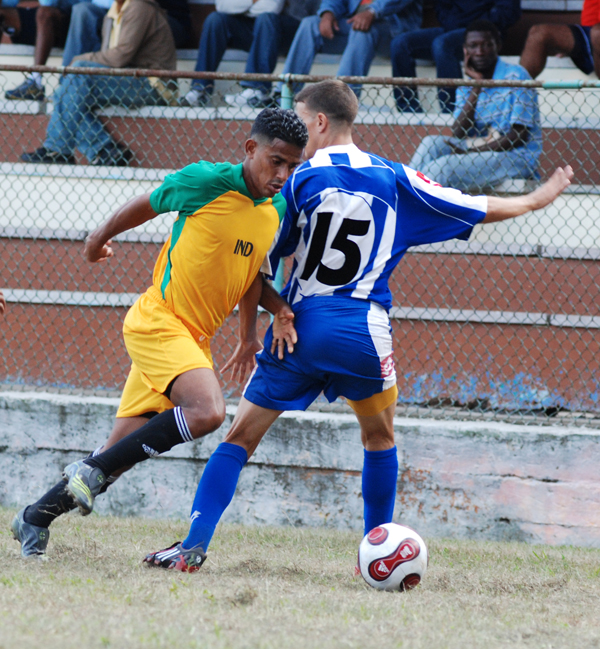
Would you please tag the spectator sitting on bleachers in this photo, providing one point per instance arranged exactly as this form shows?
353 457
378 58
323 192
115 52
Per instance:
497 131
247 25
444 45
52 22
135 34
579 42
86 24
272 35
357 29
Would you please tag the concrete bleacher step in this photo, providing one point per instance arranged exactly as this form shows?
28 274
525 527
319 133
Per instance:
73 199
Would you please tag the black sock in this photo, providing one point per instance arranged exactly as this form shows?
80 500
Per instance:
159 435
50 506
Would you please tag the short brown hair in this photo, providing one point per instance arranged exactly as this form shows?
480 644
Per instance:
332 98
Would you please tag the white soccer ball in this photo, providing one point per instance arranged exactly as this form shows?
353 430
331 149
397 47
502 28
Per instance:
392 557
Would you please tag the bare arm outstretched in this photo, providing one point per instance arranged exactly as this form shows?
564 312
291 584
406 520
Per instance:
135 212
500 209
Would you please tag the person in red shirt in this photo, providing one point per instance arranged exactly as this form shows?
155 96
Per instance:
579 42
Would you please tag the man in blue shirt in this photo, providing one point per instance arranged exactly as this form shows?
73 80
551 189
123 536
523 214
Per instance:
444 45
496 133
357 29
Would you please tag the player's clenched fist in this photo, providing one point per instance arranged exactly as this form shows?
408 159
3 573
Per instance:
97 250
2 304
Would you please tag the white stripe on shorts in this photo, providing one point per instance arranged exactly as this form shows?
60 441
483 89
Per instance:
381 335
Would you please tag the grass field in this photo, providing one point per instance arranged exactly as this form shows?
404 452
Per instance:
287 588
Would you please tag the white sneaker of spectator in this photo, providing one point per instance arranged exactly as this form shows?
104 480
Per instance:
249 97
195 98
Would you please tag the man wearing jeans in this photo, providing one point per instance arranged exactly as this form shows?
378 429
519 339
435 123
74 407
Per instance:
272 35
137 35
52 21
86 22
357 29
497 132
267 27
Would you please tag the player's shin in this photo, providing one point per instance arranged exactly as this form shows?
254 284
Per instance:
51 505
214 493
159 435
379 480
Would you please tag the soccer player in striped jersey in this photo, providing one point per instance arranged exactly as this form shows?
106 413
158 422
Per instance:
350 218
228 215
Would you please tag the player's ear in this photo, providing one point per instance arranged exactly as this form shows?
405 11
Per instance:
322 122
250 147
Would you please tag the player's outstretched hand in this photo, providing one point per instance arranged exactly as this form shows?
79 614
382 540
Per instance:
2 304
243 360
551 189
97 250
284 332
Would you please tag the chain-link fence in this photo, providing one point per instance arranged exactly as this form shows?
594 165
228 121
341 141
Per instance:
505 325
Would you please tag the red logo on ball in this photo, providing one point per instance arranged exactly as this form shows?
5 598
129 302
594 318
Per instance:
381 569
377 535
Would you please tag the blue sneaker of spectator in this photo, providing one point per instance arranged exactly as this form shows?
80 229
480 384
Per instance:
33 539
113 156
45 156
29 89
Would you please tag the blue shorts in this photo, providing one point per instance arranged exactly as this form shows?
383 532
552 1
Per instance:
344 348
582 54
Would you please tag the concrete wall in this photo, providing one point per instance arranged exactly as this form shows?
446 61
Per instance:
457 479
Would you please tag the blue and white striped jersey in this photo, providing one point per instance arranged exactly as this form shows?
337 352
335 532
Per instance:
351 216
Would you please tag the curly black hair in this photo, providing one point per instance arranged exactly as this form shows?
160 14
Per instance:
482 25
282 124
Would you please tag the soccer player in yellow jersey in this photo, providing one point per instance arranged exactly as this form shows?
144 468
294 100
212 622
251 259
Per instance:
228 217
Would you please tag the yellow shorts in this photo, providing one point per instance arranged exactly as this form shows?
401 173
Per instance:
375 404
161 348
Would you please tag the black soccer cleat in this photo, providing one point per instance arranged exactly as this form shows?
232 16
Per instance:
177 557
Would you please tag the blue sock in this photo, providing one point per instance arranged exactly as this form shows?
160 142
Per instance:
379 479
214 493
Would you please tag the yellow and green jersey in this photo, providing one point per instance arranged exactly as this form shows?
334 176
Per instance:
217 245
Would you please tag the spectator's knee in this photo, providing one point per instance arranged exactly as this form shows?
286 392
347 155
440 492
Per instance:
309 25
399 47
81 11
46 16
266 20
214 21
439 49
538 35
429 141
